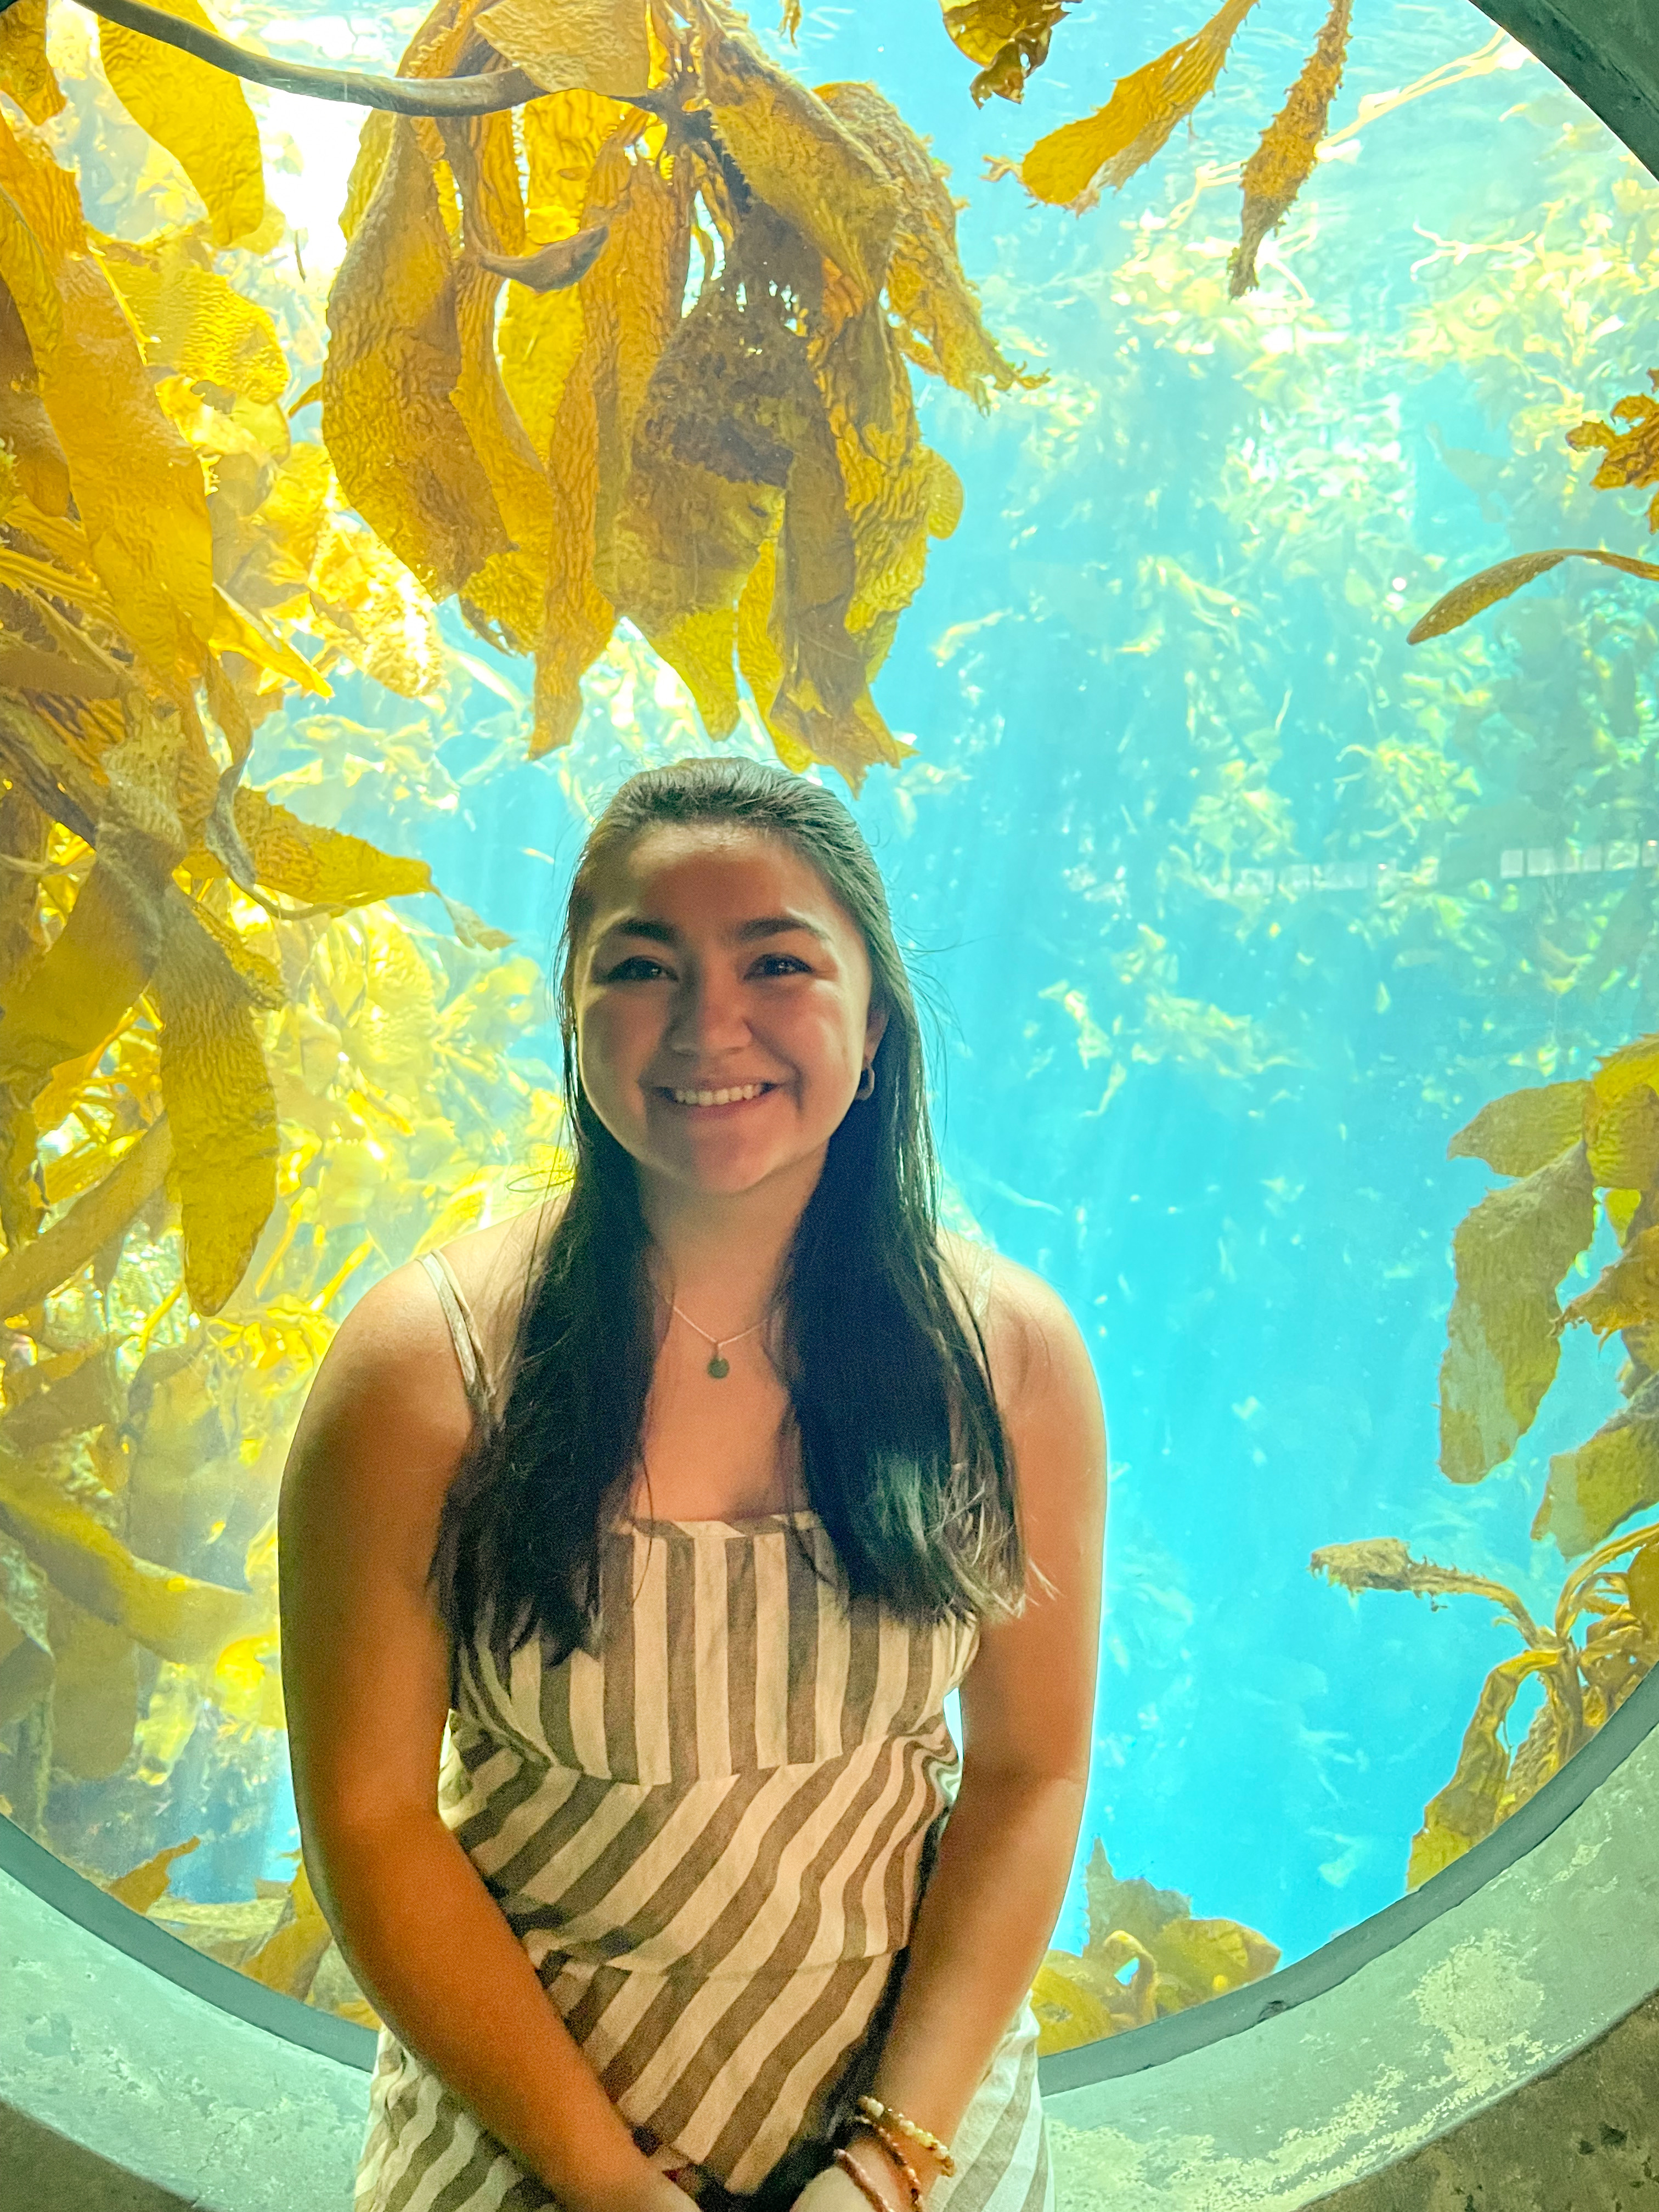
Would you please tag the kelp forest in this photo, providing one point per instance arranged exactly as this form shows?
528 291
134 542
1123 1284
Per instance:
652 375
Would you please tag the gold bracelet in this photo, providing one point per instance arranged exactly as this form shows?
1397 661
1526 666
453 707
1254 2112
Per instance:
873 2109
872 2196
890 2143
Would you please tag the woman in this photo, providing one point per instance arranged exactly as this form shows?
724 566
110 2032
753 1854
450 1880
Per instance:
682 1504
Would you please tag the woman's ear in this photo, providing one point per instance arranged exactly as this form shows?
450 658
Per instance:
875 1026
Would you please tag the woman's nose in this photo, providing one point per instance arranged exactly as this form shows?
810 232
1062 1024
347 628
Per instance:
709 1015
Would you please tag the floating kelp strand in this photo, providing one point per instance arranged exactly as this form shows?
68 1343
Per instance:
1285 159
1073 165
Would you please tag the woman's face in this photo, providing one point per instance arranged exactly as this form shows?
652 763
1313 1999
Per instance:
723 1015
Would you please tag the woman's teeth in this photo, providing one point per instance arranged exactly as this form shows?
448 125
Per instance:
719 1097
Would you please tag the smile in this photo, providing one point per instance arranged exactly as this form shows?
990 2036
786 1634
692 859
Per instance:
737 1094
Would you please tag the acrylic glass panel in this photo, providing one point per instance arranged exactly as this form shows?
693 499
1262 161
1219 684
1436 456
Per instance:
1235 907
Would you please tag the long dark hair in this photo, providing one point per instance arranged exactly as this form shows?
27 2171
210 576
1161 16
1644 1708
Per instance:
902 1447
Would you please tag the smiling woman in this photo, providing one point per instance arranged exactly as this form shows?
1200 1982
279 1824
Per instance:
691 1647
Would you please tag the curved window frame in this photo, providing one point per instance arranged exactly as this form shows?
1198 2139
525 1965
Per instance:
1172 2037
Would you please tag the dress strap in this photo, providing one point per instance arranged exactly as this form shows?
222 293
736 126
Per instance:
463 1333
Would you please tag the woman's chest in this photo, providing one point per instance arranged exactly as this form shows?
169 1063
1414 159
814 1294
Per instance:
723 1649
716 1447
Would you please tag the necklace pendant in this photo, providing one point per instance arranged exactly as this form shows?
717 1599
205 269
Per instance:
719 1368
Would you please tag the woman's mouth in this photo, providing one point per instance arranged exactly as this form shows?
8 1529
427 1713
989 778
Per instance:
736 1094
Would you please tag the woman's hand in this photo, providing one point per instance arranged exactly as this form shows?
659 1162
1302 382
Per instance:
834 2190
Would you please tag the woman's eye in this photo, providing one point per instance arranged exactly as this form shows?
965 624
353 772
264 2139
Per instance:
779 963
638 968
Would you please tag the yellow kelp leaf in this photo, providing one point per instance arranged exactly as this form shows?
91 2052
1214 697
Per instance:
758 656
94 1693
797 156
398 444
193 321
509 589
1628 1069
147 1884
319 867
1010 37
74 995
504 599
198 112
1200 1958
1072 166
25 72
172 1615
540 333
86 1397
1549 1743
136 483
824 702
25 840
247 1682
708 482
538 341
563 135
27 271
807 636
1468 1807
597 45
1621 1135
365 602
374 144
36 1268
937 308
630 305
1503 1343
1478 593
1590 1491
1525 1129
1642 1587
897 493
1632 455
221 1110
234 631
1067 2014
26 431
288 524
1621 1207
1284 161
289 1957
482 153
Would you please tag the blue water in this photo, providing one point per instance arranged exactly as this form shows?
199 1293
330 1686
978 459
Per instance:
1165 646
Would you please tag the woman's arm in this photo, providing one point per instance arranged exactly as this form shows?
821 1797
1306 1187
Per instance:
365 1676
1027 1709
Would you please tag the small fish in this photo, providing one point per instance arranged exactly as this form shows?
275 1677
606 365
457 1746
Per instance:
553 268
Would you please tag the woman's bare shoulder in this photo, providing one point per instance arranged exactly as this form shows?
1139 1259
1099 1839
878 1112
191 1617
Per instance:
1002 1295
1030 1335
496 1268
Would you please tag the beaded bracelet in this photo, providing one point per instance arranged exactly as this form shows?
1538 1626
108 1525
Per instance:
872 2196
873 2109
890 2143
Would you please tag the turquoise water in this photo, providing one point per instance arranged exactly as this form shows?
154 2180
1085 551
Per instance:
1204 868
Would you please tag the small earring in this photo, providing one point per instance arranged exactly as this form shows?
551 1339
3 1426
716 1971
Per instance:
866 1081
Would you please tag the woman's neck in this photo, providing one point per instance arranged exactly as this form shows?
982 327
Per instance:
720 1255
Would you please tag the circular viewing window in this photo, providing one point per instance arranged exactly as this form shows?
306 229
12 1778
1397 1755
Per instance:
1218 577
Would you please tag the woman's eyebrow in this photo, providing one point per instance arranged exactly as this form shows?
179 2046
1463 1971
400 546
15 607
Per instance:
777 925
638 925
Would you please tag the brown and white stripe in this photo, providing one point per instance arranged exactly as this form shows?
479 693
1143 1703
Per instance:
710 1835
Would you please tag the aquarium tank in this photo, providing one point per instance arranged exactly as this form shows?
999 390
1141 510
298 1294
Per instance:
1186 484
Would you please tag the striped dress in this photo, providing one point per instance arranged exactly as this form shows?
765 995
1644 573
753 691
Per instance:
710 1834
